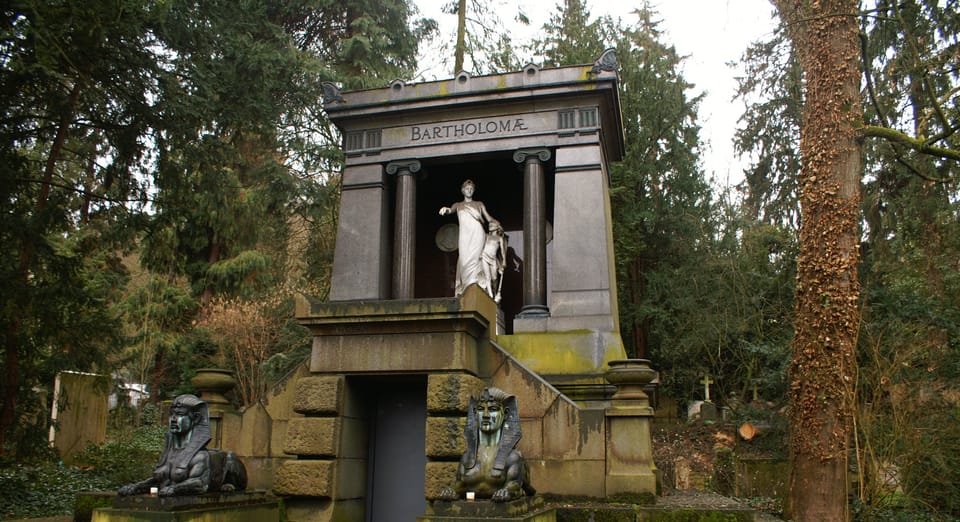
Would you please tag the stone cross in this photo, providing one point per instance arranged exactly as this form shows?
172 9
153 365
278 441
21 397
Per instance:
706 382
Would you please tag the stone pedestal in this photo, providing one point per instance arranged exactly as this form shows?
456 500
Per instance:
212 507
527 509
630 467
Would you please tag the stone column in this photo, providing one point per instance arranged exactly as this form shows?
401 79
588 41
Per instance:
630 467
404 227
534 231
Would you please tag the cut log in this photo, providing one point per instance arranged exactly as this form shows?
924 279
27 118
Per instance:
749 430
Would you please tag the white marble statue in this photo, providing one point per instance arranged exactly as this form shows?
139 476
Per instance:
472 243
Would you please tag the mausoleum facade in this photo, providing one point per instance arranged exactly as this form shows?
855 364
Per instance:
376 421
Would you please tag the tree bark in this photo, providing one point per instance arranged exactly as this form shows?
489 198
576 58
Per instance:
825 35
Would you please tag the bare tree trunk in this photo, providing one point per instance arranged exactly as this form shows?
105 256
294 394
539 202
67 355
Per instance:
461 36
825 35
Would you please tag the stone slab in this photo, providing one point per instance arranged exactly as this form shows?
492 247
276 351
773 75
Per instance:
184 502
213 507
80 402
527 509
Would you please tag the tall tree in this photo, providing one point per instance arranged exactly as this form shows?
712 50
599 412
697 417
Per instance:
242 173
769 132
908 210
481 42
663 214
908 347
825 36
75 84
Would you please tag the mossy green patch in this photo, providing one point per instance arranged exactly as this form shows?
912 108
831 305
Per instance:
86 502
560 353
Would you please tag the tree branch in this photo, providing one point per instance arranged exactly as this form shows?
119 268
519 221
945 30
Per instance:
917 144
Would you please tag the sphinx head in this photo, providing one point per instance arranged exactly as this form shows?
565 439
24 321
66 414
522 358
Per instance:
186 412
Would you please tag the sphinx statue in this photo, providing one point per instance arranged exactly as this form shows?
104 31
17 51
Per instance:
186 466
492 466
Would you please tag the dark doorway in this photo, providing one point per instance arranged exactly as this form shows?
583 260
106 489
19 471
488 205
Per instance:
396 475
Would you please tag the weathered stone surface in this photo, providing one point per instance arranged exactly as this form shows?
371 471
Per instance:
351 479
361 254
445 437
81 406
413 351
450 392
629 456
568 477
306 509
534 395
354 438
572 432
438 476
313 436
304 478
531 445
485 510
319 395
279 398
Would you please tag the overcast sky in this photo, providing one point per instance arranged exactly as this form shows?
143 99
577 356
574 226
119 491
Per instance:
710 33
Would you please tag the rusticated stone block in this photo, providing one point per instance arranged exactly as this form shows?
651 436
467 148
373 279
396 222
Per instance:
319 395
313 436
304 478
439 475
450 392
445 437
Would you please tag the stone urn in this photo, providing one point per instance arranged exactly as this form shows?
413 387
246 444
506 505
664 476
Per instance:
630 376
212 384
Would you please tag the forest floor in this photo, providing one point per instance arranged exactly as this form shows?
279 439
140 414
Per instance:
686 455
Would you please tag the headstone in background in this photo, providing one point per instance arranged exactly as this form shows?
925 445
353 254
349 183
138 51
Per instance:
708 412
79 414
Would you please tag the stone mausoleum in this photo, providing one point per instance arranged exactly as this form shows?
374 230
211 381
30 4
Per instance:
373 428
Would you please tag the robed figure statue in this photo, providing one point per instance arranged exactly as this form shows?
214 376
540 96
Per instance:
480 255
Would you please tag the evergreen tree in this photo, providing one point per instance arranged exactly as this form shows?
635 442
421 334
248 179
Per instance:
909 216
198 124
482 43
75 88
664 217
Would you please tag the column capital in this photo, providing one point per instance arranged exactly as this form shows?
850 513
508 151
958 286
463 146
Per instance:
403 167
521 155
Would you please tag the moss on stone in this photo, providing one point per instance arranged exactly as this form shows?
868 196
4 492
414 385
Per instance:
570 352
86 502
